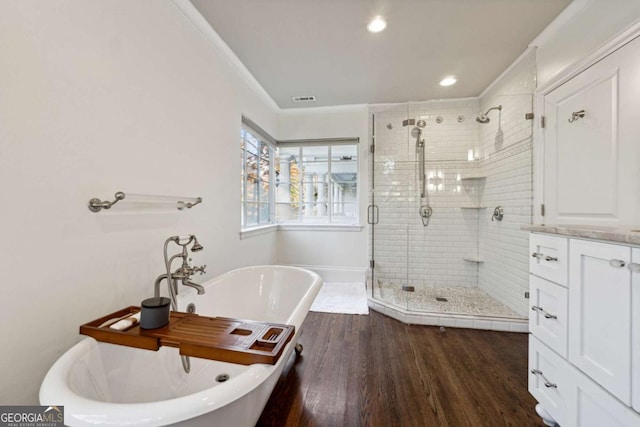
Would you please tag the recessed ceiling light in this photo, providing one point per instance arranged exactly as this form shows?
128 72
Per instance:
448 81
377 24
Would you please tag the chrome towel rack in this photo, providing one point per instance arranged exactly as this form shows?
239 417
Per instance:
96 205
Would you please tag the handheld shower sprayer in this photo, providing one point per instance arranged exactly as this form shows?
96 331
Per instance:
197 247
425 209
185 240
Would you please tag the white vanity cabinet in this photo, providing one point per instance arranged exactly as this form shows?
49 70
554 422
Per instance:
635 328
584 348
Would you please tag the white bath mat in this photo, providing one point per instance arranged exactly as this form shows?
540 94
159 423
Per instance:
345 298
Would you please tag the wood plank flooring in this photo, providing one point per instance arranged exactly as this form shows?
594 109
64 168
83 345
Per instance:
375 371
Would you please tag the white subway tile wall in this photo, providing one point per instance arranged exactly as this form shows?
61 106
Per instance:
508 167
406 251
460 230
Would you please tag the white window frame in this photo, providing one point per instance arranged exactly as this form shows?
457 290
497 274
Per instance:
258 133
329 225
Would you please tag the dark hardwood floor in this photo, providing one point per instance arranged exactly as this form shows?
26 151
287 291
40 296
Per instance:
375 371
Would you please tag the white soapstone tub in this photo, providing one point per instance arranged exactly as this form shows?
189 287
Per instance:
103 384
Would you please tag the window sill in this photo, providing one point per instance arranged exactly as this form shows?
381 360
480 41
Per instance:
264 229
256 231
319 227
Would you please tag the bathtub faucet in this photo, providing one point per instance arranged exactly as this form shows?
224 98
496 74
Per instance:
195 286
184 272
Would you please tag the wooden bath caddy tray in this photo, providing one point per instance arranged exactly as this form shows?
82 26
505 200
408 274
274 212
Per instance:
217 338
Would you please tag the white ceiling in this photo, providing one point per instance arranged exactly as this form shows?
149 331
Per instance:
322 48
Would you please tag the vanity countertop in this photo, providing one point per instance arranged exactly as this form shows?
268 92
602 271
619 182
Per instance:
613 234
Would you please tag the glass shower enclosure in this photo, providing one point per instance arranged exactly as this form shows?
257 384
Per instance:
426 213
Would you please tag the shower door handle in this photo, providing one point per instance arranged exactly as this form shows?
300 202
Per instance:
372 214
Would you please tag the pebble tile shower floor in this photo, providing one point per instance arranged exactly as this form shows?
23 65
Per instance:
459 300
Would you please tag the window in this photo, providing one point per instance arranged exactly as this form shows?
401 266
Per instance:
317 182
257 154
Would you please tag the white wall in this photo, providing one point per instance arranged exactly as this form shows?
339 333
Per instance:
97 97
321 247
579 31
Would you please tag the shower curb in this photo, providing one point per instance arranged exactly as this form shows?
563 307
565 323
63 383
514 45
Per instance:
451 320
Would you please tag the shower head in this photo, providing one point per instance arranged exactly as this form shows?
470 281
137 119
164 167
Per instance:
197 247
416 132
484 118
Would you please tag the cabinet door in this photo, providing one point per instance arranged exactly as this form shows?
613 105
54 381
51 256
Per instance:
590 144
635 328
600 314
548 317
593 407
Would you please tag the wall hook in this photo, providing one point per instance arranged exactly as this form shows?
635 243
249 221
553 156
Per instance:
576 115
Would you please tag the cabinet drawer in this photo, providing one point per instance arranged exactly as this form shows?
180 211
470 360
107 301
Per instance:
548 317
549 380
548 257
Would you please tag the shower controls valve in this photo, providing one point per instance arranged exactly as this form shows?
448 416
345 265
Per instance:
426 211
498 214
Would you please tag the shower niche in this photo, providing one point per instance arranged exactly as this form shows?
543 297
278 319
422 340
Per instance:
434 269
473 187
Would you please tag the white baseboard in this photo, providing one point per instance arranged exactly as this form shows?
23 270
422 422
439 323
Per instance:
337 274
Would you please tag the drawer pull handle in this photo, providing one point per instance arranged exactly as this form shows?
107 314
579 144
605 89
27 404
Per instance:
536 255
550 258
634 267
541 310
546 381
617 263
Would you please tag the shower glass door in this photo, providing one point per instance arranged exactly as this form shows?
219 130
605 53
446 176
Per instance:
391 201
421 263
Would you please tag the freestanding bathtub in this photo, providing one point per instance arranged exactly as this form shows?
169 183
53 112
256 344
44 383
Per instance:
111 385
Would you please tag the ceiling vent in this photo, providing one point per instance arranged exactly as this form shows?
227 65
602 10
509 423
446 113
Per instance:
303 98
